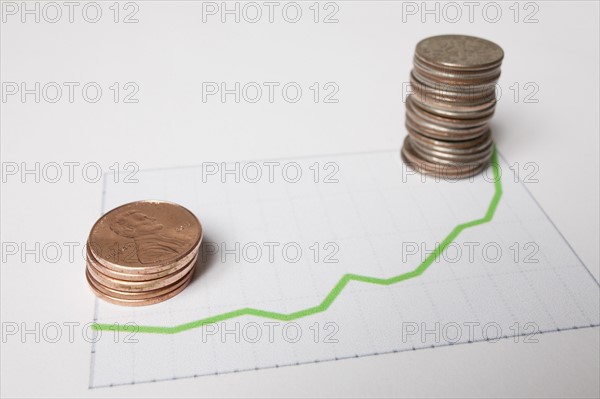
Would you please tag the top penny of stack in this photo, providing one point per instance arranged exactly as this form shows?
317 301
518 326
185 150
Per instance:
143 253
453 98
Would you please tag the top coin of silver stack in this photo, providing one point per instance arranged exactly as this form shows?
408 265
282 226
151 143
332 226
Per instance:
453 98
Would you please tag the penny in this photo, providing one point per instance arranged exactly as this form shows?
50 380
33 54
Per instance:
139 302
138 286
120 275
141 271
144 235
136 295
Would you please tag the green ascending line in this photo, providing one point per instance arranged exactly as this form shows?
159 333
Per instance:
336 290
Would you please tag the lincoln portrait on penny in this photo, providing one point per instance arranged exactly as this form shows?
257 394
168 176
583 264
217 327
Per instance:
153 243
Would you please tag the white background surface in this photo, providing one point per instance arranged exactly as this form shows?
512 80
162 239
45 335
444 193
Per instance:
368 54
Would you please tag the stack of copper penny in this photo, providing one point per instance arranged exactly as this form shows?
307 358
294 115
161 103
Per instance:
453 98
143 253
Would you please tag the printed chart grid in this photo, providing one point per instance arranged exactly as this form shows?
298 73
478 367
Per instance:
509 274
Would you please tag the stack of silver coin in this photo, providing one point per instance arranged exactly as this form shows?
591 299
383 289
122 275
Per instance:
453 98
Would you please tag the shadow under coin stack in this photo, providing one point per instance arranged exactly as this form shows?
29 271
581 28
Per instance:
143 253
453 98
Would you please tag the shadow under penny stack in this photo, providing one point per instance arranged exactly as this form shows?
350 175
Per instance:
453 98
143 253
